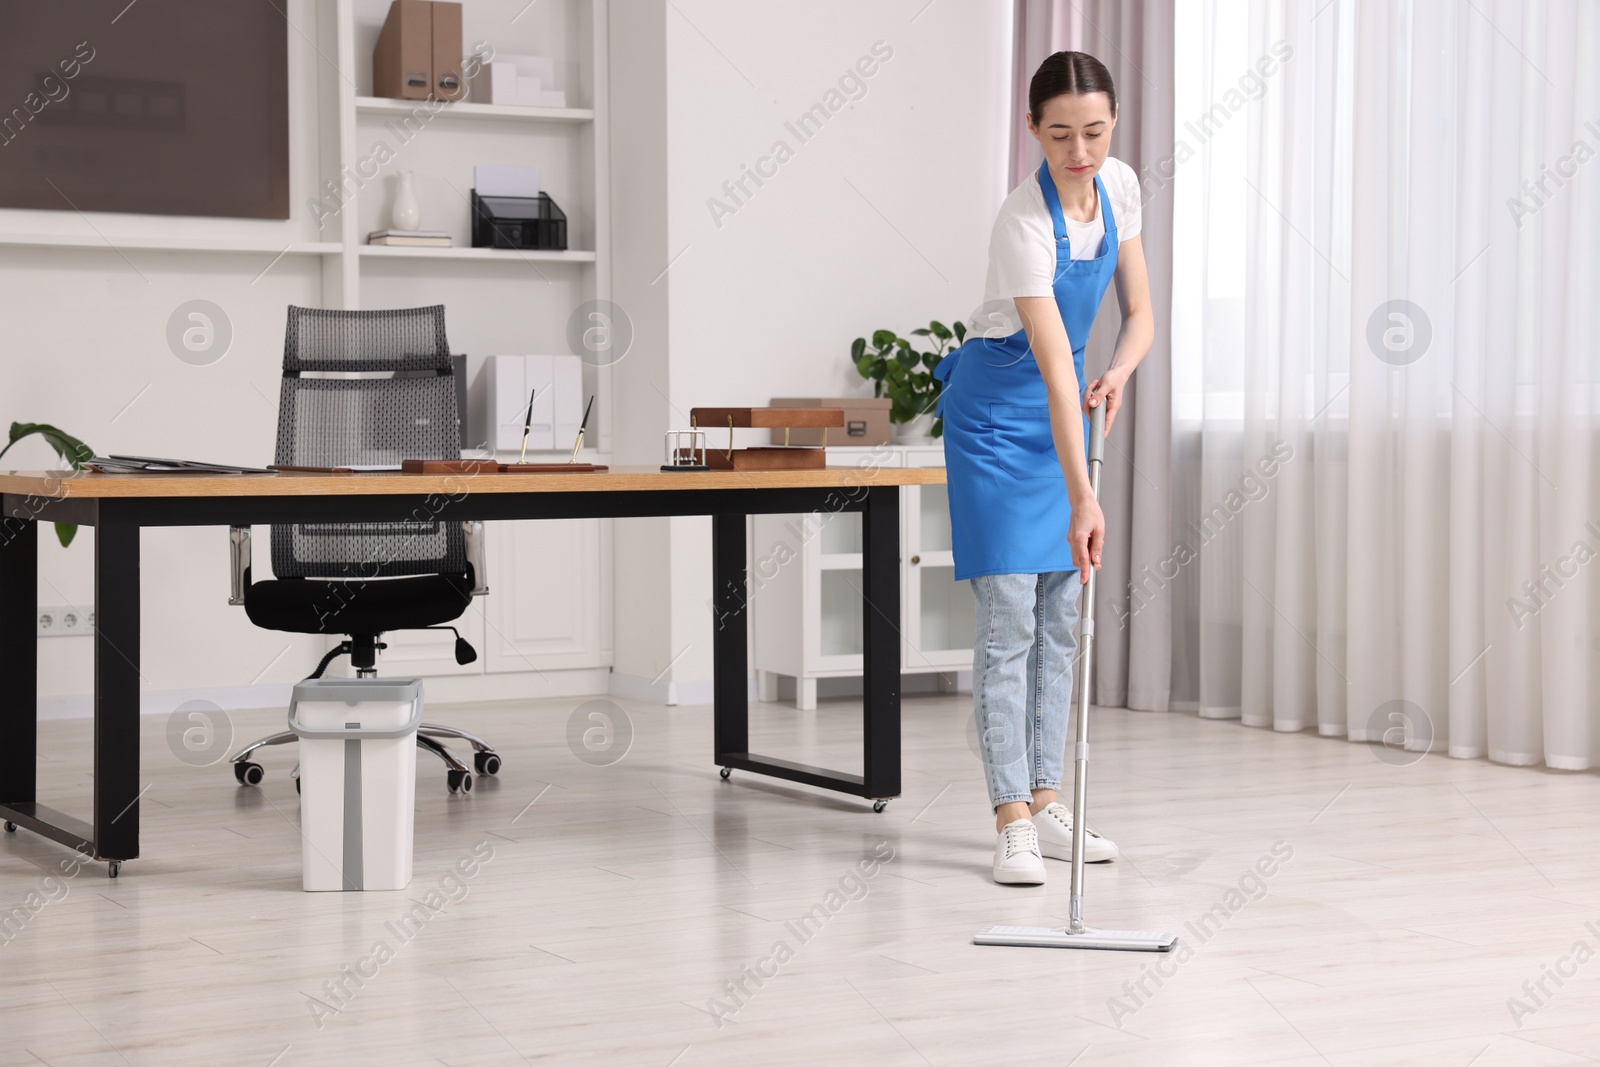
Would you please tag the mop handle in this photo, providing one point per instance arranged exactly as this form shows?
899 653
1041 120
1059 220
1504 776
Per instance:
1080 762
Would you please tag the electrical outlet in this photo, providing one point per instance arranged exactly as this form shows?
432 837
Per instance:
64 621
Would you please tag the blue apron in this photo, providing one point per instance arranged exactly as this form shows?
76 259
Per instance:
1008 498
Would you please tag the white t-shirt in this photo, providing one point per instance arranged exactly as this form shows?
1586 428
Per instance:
1022 245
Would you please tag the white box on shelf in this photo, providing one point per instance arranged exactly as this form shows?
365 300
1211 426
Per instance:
510 385
495 83
551 98
505 179
567 386
529 66
557 409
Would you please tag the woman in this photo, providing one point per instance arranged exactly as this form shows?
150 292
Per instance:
1024 520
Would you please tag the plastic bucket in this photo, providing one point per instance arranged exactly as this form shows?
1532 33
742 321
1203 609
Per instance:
358 780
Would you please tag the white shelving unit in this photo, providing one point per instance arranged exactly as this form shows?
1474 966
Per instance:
549 608
536 617
806 587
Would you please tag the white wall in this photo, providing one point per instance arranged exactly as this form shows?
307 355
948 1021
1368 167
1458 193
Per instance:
879 220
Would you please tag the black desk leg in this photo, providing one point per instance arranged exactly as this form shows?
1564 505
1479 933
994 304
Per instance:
880 700
729 644
19 661
880 607
116 686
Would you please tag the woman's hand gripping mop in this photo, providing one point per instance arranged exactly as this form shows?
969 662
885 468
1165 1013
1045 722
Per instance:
1076 934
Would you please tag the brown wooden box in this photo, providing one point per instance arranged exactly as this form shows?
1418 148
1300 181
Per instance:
418 54
866 420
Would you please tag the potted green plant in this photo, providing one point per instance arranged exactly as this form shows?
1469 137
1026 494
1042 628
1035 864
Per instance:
73 452
900 372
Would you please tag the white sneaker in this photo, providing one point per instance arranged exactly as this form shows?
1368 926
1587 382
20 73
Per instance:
1055 836
1016 855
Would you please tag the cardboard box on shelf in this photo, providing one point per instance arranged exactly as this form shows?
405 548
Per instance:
418 54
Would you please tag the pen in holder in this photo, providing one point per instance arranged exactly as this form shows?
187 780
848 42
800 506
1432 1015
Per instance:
570 466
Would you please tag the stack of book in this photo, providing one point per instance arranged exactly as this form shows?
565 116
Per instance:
410 238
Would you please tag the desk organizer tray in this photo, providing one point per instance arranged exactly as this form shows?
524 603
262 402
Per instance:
766 457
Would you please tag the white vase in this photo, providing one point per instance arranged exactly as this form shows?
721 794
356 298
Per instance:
406 214
919 431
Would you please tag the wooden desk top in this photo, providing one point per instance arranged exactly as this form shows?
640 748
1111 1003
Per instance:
92 485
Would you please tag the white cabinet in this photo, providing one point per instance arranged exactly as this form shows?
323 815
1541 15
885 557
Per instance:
549 598
805 587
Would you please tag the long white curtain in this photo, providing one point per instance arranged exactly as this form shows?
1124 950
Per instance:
1386 373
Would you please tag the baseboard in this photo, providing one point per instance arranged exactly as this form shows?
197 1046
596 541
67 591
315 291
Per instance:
166 701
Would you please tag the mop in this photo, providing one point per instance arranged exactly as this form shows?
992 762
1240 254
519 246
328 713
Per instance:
1076 934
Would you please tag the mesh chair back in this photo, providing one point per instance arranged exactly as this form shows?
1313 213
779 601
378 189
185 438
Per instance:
399 403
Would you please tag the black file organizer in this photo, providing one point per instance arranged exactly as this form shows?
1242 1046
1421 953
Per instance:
526 222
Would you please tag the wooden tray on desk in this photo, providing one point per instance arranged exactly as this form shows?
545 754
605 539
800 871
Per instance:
764 458
551 468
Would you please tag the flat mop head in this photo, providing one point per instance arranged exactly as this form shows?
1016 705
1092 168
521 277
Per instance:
1058 937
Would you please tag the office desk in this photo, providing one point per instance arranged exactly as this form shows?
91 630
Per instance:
120 506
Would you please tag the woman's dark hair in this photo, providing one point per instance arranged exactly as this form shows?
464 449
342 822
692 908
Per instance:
1069 72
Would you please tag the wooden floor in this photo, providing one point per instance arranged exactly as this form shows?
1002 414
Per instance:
646 912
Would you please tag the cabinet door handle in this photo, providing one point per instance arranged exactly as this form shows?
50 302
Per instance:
915 560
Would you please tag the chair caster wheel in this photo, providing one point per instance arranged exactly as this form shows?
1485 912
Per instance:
113 868
879 805
248 773
487 763
11 827
459 781
726 771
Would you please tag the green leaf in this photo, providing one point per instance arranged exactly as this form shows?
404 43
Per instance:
908 358
65 532
932 360
857 347
883 338
879 369
961 331
919 333
71 450
938 330
864 365
902 343
938 428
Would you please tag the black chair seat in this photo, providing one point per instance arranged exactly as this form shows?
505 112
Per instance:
314 606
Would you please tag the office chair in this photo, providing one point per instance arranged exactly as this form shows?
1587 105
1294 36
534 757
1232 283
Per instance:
361 388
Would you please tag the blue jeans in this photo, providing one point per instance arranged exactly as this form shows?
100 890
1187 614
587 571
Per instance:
1022 671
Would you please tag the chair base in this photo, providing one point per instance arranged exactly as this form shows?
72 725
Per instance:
458 775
